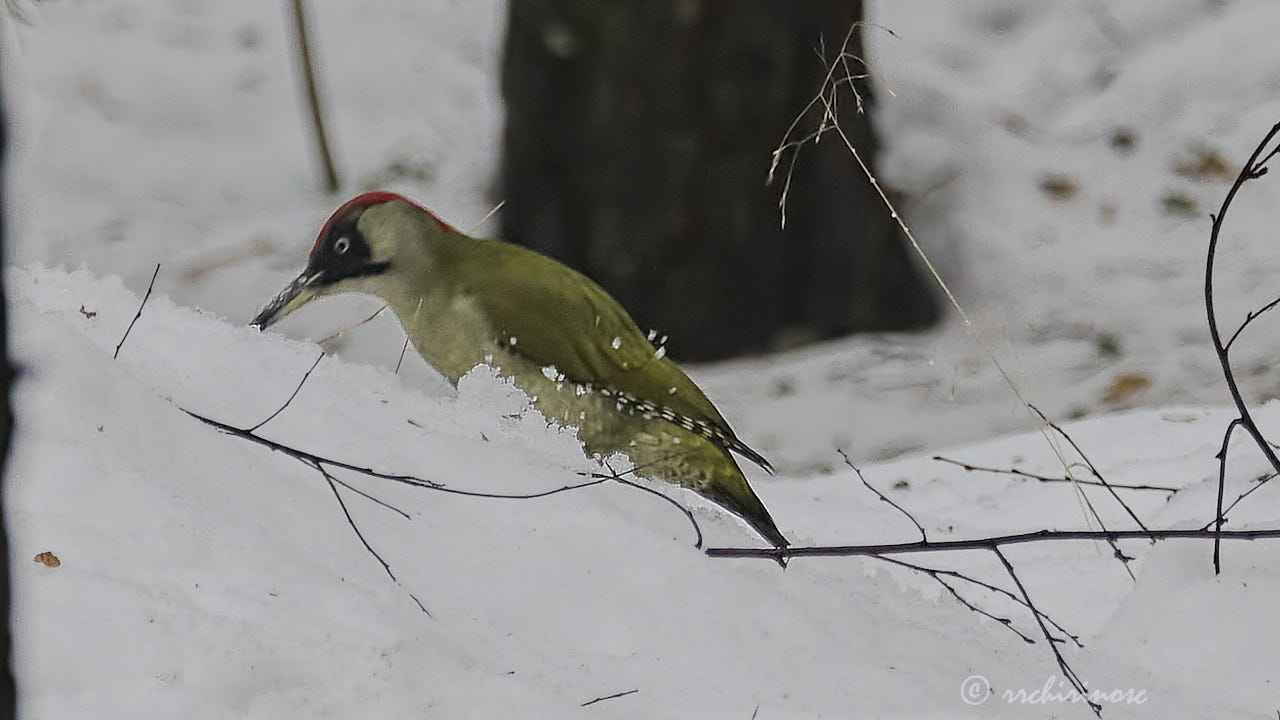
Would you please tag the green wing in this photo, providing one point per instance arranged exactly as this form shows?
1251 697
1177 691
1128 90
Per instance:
558 316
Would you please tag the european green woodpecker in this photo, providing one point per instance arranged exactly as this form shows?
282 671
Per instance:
557 334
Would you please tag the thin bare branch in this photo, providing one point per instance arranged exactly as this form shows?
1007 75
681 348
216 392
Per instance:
296 390
138 314
1089 464
322 465
923 535
1219 516
1067 671
1015 472
312 459
938 573
307 65
610 697
1253 315
697 530
403 349
987 543
1257 486
351 521
373 499
830 122
1084 498
412 480
349 328
937 577
1254 168
333 486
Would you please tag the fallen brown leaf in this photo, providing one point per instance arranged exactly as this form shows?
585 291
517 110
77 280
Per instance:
48 559
1125 387
1207 165
1059 187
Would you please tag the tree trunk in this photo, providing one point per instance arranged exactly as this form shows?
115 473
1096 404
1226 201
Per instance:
638 141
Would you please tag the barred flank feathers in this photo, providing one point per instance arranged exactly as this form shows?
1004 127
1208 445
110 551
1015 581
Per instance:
719 435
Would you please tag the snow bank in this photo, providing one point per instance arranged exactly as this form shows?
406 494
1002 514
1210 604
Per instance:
205 576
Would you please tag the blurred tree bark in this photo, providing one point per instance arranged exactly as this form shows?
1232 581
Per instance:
8 691
638 140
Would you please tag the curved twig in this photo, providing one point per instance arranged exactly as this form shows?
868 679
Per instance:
1253 169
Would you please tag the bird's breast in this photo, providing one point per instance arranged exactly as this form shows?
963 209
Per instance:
450 333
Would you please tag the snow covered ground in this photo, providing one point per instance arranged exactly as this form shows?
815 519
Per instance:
1062 158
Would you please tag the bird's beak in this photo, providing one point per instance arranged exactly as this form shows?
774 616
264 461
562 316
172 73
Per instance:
293 296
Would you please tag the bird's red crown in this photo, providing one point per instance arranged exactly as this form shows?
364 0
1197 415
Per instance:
368 200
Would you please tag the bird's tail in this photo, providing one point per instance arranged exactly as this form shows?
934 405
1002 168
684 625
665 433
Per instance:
709 470
731 491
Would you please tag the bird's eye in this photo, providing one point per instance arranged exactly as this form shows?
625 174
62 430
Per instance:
342 245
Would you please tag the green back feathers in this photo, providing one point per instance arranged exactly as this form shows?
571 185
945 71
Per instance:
554 315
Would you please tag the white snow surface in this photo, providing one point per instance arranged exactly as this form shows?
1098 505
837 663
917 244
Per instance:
205 576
